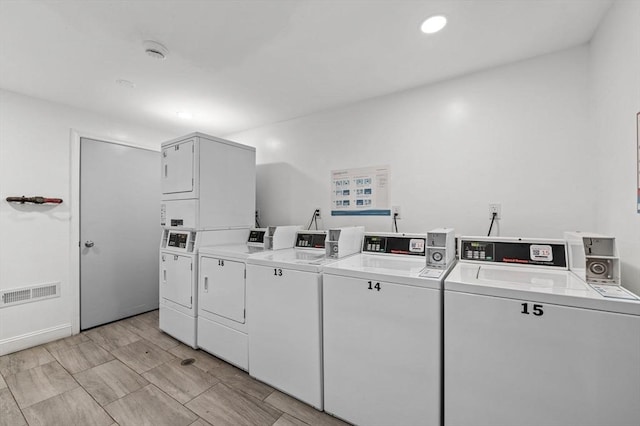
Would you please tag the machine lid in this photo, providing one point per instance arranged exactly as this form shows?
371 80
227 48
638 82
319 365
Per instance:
303 260
534 284
397 269
236 251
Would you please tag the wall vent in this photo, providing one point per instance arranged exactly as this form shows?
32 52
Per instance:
29 294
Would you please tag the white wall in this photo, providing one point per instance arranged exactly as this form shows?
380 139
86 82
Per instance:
34 240
517 135
615 100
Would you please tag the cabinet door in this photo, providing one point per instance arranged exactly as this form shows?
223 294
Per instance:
178 167
222 288
176 279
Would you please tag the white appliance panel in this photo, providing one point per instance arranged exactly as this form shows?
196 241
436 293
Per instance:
555 365
382 352
181 213
178 167
222 288
178 324
227 185
224 342
284 322
176 278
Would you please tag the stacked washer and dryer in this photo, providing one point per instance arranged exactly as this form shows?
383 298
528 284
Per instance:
540 332
208 197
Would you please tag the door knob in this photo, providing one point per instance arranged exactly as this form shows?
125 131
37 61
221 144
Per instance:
88 243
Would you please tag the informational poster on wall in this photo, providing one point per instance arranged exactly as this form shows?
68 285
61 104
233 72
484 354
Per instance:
638 148
360 192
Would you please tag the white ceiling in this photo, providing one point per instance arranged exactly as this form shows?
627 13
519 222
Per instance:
242 64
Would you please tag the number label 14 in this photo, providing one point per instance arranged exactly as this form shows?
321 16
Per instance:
373 286
536 309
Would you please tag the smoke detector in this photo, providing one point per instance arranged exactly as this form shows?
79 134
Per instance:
155 49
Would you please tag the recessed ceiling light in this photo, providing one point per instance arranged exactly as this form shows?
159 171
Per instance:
184 115
155 49
125 83
433 24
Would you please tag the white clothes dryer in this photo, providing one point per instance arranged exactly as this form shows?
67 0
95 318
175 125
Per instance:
284 312
527 342
382 330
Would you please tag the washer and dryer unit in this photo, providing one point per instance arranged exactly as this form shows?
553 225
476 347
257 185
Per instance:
540 332
222 326
284 311
382 315
208 197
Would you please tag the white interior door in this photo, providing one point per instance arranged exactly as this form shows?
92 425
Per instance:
119 231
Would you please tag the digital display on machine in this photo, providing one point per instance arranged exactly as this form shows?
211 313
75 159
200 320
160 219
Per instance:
394 245
310 240
478 250
256 236
515 252
178 240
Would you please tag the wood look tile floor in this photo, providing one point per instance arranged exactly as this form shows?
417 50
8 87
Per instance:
130 373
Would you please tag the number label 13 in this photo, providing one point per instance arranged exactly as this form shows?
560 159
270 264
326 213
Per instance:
537 309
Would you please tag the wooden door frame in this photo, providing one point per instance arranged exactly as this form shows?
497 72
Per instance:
74 203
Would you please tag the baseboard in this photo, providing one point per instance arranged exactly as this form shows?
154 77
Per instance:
29 340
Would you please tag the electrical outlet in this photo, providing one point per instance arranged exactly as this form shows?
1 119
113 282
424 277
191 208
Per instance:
258 214
395 212
497 209
318 215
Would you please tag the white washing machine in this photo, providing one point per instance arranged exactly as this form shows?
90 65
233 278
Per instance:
382 328
222 328
179 275
528 342
284 311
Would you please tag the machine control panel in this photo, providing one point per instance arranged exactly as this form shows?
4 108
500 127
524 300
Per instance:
519 252
256 236
310 240
178 239
405 245
478 250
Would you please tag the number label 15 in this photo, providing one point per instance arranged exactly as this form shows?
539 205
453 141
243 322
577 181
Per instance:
537 309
